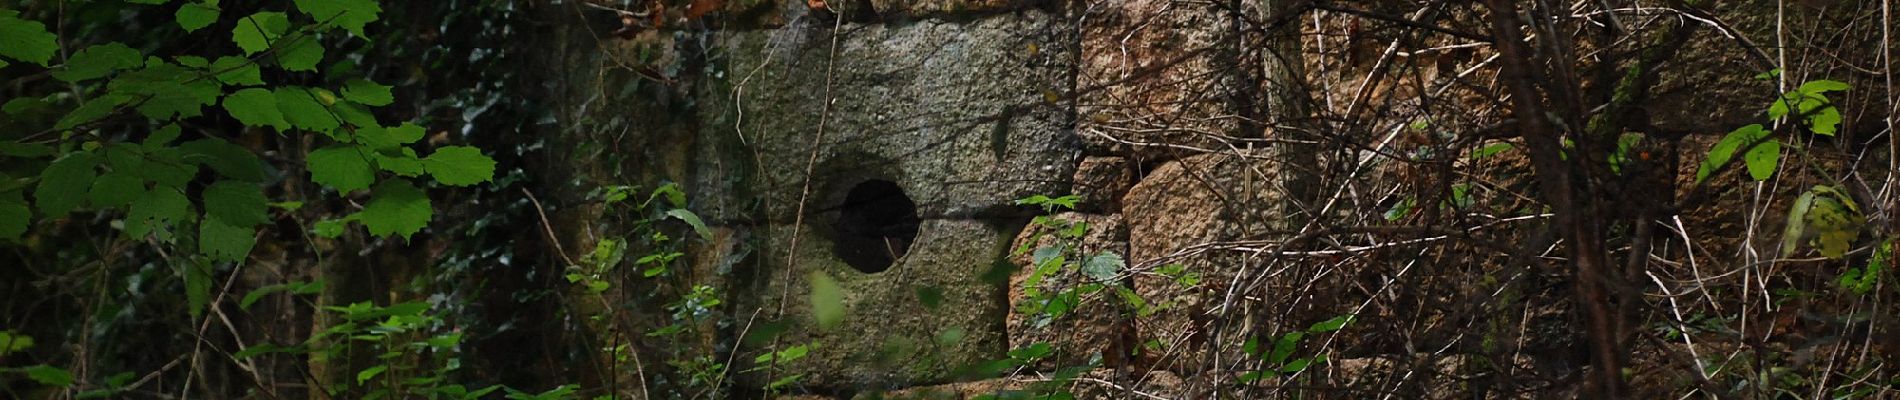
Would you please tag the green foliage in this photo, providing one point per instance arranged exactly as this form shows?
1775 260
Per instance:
1824 217
1811 103
1279 358
25 40
1862 280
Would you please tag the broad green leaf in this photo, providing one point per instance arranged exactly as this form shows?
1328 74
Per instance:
63 185
1834 225
350 15
240 204
256 32
367 92
237 71
256 107
167 167
1331 325
49 375
158 207
197 15
116 188
98 61
402 164
1822 86
396 207
223 241
1490 150
827 300
24 150
299 53
1103 267
345 168
26 40
1724 150
162 137
192 61
380 138
197 276
15 217
302 110
460 166
168 89
14 342
123 156
1284 347
92 110
1797 223
229 160
1825 121
691 220
1762 159
329 228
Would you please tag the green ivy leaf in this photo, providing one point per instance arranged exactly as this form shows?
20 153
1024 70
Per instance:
157 207
351 15
367 92
827 300
345 168
63 185
230 160
222 241
256 107
302 109
98 61
396 207
299 54
197 15
240 204
1797 223
256 32
460 166
26 40
1762 159
15 217
237 71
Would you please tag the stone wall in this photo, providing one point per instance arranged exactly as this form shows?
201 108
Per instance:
801 122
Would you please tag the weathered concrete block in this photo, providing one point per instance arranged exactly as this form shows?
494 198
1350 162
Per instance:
916 323
955 112
1102 181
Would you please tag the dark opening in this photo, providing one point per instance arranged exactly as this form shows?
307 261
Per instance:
875 226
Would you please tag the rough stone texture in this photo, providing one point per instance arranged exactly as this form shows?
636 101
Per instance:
1188 202
954 112
1100 325
1149 79
1101 182
889 336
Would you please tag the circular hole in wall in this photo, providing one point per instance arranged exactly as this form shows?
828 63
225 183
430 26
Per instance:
875 226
